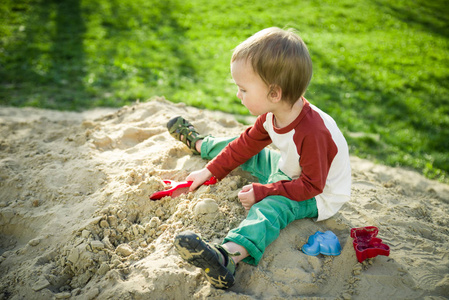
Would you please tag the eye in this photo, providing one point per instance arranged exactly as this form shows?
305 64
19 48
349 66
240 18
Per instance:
242 90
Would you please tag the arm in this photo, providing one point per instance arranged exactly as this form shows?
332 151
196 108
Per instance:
317 152
248 144
233 155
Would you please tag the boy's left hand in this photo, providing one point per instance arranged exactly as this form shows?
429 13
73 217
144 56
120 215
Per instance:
247 197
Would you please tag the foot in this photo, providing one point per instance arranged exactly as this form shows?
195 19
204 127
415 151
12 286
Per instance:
216 262
183 130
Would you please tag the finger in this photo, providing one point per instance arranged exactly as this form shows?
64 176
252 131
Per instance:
190 177
247 187
241 199
241 196
195 185
197 182
243 193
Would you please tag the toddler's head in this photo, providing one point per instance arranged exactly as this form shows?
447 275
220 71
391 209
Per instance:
280 58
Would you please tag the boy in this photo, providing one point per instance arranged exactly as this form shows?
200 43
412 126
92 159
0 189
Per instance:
310 175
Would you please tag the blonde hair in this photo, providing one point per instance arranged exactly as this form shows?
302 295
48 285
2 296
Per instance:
280 58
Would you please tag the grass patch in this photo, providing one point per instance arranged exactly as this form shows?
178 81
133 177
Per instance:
380 67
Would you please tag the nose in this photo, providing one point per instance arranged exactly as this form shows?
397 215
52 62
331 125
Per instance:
239 95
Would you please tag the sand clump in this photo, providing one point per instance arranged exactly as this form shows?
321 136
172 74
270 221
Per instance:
76 221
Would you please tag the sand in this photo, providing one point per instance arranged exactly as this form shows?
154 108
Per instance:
76 221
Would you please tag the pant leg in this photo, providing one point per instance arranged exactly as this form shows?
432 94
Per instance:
264 222
212 146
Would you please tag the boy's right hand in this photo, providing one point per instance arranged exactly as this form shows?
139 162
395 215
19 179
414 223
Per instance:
246 196
198 178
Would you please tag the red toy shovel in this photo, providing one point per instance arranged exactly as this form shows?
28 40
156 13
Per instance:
174 189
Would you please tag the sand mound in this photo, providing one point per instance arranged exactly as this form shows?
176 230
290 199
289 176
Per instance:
76 221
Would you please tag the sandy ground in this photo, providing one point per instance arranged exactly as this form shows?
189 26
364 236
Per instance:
76 221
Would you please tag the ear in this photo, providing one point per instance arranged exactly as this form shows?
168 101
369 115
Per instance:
275 93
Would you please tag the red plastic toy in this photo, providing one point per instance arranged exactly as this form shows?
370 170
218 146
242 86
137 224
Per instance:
366 244
174 189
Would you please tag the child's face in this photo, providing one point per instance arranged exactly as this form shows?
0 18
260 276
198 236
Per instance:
252 90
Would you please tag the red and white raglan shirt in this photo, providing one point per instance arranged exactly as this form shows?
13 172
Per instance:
314 153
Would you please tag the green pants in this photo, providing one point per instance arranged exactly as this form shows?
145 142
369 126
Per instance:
266 218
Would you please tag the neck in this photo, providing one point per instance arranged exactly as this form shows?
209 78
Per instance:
286 114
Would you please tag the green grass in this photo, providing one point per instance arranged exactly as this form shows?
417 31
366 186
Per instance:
381 68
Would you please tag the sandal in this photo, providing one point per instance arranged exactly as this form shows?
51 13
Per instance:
197 252
183 130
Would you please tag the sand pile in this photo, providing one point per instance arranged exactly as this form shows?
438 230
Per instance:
76 221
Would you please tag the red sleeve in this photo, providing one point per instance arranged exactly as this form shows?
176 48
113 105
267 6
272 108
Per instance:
317 152
248 144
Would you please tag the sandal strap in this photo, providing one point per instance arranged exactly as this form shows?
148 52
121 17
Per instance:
229 262
227 252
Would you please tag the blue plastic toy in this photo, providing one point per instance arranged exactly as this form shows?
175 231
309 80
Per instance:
325 243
